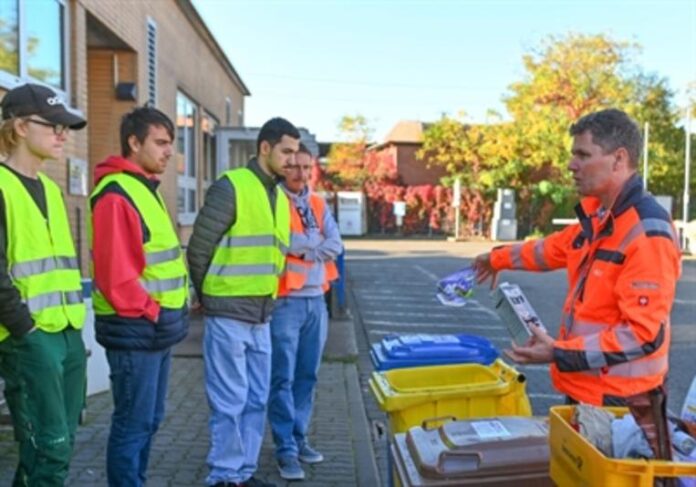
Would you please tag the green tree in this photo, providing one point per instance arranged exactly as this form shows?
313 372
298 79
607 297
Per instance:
8 47
565 78
464 151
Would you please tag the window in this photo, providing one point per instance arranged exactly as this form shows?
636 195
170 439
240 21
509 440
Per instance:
151 62
209 127
240 151
9 36
186 116
228 111
32 42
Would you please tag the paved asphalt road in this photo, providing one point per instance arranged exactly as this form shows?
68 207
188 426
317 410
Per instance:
392 286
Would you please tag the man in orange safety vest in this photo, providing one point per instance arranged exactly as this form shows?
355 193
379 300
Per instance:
300 319
623 263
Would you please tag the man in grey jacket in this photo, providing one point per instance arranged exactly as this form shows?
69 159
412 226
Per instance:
235 255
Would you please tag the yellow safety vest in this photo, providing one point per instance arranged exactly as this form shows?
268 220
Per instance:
41 258
164 277
251 255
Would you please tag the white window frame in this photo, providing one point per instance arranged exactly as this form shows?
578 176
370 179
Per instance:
228 111
10 80
207 182
151 58
186 181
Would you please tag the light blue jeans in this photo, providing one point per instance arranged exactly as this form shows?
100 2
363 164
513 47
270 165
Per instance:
298 333
237 359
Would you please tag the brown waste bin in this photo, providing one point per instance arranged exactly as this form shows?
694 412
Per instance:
500 451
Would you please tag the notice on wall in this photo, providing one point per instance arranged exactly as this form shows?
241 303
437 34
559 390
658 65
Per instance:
77 177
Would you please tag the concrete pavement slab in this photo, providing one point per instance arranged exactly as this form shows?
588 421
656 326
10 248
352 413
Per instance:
339 428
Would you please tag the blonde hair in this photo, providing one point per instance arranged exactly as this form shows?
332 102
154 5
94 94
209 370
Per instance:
8 137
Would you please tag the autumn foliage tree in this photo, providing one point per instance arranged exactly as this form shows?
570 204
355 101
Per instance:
353 166
528 150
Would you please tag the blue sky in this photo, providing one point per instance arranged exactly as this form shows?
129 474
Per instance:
314 61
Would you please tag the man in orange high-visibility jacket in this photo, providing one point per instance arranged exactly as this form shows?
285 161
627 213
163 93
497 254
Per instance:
623 263
299 321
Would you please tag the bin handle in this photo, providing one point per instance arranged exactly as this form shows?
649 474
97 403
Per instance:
443 457
443 419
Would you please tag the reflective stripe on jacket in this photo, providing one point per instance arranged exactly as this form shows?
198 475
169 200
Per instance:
296 269
41 257
623 267
164 276
251 255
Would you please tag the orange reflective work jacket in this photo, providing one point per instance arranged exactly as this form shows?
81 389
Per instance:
296 269
623 266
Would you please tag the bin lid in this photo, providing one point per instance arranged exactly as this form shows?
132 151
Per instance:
485 447
431 349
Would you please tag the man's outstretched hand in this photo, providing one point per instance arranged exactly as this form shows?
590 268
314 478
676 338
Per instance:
484 270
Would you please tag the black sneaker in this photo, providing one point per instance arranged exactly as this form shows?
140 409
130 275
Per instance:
254 482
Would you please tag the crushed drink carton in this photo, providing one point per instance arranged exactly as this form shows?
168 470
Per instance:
454 289
516 312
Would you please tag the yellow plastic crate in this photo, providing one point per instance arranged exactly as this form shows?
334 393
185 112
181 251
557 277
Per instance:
576 462
411 396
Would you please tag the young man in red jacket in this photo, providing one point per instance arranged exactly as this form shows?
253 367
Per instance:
140 287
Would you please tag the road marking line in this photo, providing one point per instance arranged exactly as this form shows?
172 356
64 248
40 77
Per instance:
504 339
533 367
545 395
429 311
426 272
448 325
372 297
417 325
374 286
415 314
471 305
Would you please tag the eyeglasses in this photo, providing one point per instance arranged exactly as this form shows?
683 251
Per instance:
58 129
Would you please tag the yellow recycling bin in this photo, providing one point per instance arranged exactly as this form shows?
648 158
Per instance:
414 396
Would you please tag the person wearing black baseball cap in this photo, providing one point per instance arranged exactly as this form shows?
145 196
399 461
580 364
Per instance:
33 99
42 356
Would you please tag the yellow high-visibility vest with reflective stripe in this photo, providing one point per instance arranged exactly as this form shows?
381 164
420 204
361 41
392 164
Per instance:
41 257
251 255
164 277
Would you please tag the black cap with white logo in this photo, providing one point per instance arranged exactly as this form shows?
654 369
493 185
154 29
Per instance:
34 99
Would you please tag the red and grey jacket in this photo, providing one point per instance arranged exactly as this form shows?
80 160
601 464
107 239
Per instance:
623 266
294 276
118 260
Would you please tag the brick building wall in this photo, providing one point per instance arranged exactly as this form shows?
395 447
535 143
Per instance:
412 170
188 60
415 171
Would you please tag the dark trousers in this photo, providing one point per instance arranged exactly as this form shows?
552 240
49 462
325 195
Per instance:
45 382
